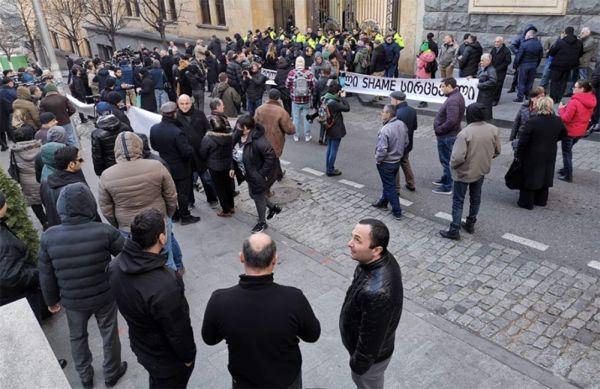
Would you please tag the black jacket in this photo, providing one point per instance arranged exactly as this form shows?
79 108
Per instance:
173 146
262 323
215 47
501 59
216 151
18 273
520 120
487 88
194 125
212 71
408 115
255 85
378 59
469 63
103 147
74 255
234 76
151 298
147 97
121 116
51 188
565 53
371 313
260 161
336 107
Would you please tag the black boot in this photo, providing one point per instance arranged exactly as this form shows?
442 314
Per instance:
450 234
469 225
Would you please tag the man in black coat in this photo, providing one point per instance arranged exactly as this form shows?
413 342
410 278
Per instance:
73 260
195 125
261 321
174 147
408 115
487 85
565 55
501 58
469 60
373 304
151 297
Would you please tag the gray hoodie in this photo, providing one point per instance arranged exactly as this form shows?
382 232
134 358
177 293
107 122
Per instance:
392 140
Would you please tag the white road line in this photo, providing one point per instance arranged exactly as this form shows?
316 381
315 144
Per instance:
525 241
594 265
405 202
312 171
446 216
284 162
351 183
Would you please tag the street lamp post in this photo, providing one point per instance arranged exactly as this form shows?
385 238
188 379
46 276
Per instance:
45 35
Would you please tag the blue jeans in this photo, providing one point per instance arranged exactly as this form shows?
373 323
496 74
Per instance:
388 173
584 73
161 97
546 74
251 105
458 200
445 151
567 153
526 78
333 146
391 70
299 112
71 137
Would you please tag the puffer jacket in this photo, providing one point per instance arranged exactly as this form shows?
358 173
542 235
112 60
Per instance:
371 313
422 61
216 151
24 111
103 147
259 161
577 113
25 154
469 61
565 53
521 119
74 255
51 189
47 157
134 184
234 75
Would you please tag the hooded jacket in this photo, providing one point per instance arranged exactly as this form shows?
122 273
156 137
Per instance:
151 298
134 184
336 106
50 191
259 161
25 154
565 53
577 113
24 111
469 63
74 255
231 98
103 146
101 77
47 158
216 150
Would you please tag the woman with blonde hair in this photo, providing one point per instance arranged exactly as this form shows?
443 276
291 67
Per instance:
536 153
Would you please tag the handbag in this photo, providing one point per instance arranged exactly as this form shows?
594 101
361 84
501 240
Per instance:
514 175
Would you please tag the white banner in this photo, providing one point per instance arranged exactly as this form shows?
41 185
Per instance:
415 89
269 73
86 109
141 120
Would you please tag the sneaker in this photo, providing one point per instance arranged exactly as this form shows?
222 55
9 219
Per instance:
273 211
454 235
437 183
308 138
88 384
62 363
517 100
214 204
565 178
561 172
296 138
442 191
122 370
379 205
236 193
334 173
397 216
422 104
185 220
511 90
259 227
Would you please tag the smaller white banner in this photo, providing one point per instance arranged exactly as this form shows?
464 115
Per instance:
141 120
86 109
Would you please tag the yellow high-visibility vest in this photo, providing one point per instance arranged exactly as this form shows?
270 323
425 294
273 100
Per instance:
312 43
272 35
399 40
299 38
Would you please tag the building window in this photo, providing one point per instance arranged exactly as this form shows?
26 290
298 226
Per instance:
205 11
220 12
173 9
101 7
136 7
127 7
55 40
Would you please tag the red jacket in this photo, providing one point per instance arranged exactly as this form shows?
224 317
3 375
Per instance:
577 113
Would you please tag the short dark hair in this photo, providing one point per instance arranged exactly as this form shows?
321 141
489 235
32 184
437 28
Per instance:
214 103
569 31
585 85
334 87
259 259
2 200
473 38
246 121
466 36
430 35
380 235
64 156
146 227
450 81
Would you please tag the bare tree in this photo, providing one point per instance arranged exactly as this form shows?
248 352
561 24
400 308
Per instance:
67 16
12 30
156 14
25 10
107 17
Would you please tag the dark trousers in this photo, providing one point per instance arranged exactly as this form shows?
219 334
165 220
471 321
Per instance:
458 201
558 83
445 145
388 173
223 187
515 81
207 184
262 202
297 384
4 130
178 380
198 99
38 209
408 173
252 105
567 153
529 198
183 187
526 78
500 83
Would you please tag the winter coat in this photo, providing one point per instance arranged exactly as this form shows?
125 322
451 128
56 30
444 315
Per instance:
159 77
422 60
260 161
500 60
151 298
336 106
371 313
74 255
215 47
255 86
101 77
520 120
378 59
234 75
103 147
392 140
469 63
195 129
212 75
18 273
358 60
51 189
24 110
196 78
392 53
262 323
577 113
537 150
7 97
147 96
200 52
173 146
277 123
79 88
231 98
134 184
408 115
447 55
47 159
588 51
487 89
216 150
475 147
565 53
25 154
60 106
449 116
531 51
121 116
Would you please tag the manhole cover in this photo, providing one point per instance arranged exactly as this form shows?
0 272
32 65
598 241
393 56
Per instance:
285 194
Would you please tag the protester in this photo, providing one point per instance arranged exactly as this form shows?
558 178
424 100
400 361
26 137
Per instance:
115 106
150 296
147 91
196 76
45 164
447 58
392 55
488 80
103 142
527 60
336 103
501 58
47 121
261 321
228 95
446 126
408 115
470 57
565 55
24 110
300 83
62 109
588 50
378 59
72 263
7 96
525 112
253 82
373 304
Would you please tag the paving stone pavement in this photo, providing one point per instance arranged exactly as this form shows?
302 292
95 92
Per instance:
546 313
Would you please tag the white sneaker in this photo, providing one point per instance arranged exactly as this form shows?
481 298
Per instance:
295 138
308 138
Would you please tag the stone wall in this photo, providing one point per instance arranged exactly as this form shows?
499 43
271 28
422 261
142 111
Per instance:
451 16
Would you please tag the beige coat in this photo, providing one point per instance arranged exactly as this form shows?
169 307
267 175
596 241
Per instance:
24 111
475 147
133 185
25 154
277 122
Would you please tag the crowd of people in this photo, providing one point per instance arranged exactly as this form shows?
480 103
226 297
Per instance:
142 192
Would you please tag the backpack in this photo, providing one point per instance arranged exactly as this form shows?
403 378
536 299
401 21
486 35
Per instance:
324 114
301 85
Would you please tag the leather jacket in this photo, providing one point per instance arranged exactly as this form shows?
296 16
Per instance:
371 313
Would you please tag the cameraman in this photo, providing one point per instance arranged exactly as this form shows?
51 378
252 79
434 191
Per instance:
254 83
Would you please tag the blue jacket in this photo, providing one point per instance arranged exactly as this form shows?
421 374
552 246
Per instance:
7 96
127 76
158 75
531 51
518 40
392 52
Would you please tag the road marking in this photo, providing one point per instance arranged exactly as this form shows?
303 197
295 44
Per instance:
312 171
525 241
284 162
594 265
351 183
446 216
405 202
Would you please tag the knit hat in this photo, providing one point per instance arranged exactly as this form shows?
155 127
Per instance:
108 121
47 117
103 107
57 134
114 97
51 88
475 113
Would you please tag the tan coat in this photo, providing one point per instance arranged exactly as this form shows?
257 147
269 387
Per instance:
25 154
24 111
133 185
277 122
475 147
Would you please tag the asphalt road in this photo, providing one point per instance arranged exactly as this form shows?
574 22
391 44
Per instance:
569 225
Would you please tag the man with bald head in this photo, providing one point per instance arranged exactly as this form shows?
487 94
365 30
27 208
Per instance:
501 58
526 62
261 321
487 84
589 51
